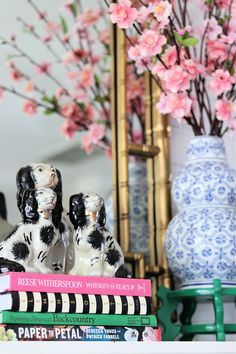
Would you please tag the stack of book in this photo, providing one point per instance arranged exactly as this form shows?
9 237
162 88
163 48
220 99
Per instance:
46 307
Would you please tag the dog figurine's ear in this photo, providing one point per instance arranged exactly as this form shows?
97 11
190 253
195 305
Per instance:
58 188
29 206
23 181
77 210
57 211
101 217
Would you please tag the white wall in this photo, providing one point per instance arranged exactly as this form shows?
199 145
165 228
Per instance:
26 139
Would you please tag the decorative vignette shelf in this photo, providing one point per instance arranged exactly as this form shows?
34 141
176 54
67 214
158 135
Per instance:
119 348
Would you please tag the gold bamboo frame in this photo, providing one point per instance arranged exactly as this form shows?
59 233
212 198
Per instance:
156 151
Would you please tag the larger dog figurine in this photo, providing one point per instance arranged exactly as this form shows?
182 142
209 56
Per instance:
31 241
96 251
37 175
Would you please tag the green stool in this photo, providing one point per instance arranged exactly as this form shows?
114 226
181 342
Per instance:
170 299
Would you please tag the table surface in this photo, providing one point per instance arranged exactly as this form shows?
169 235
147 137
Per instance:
118 347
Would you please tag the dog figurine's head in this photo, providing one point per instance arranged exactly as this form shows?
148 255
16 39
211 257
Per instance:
38 202
37 175
87 207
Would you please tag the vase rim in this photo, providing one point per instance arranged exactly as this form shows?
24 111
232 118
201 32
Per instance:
196 137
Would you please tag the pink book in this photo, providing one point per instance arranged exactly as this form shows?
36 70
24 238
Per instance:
61 283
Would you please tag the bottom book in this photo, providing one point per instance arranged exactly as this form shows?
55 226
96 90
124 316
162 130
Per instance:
78 333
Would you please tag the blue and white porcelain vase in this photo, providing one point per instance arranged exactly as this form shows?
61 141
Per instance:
200 242
139 229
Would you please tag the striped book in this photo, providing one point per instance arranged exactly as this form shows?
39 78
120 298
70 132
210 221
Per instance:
10 317
80 333
74 303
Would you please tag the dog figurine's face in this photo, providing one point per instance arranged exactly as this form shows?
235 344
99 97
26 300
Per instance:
46 198
44 175
87 207
92 203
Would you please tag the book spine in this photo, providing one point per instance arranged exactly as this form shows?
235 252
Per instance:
79 333
23 281
79 303
9 317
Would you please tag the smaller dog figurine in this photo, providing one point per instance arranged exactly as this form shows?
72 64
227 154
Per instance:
31 240
96 251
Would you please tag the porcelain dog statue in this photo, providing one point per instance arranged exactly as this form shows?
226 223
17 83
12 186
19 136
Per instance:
31 241
96 251
38 175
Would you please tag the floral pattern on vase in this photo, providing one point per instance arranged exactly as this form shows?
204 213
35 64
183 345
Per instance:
200 242
139 229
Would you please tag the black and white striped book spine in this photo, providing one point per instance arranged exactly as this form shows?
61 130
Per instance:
75 303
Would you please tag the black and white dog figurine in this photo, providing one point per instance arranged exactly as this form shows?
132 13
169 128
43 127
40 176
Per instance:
37 175
96 251
31 241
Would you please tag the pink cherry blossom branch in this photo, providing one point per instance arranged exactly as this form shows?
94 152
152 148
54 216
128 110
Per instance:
33 62
66 46
36 35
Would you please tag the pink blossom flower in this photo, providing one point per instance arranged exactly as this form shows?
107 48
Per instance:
104 36
68 128
46 38
135 87
66 38
70 110
221 81
123 14
217 50
28 87
79 95
137 137
69 57
29 107
86 77
151 43
229 38
109 152
177 105
42 15
176 79
73 74
134 52
162 11
193 68
213 29
9 64
90 16
223 4
183 30
15 75
89 113
52 27
87 143
224 109
43 68
142 64
60 91
170 56
159 70
144 13
67 6
97 132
